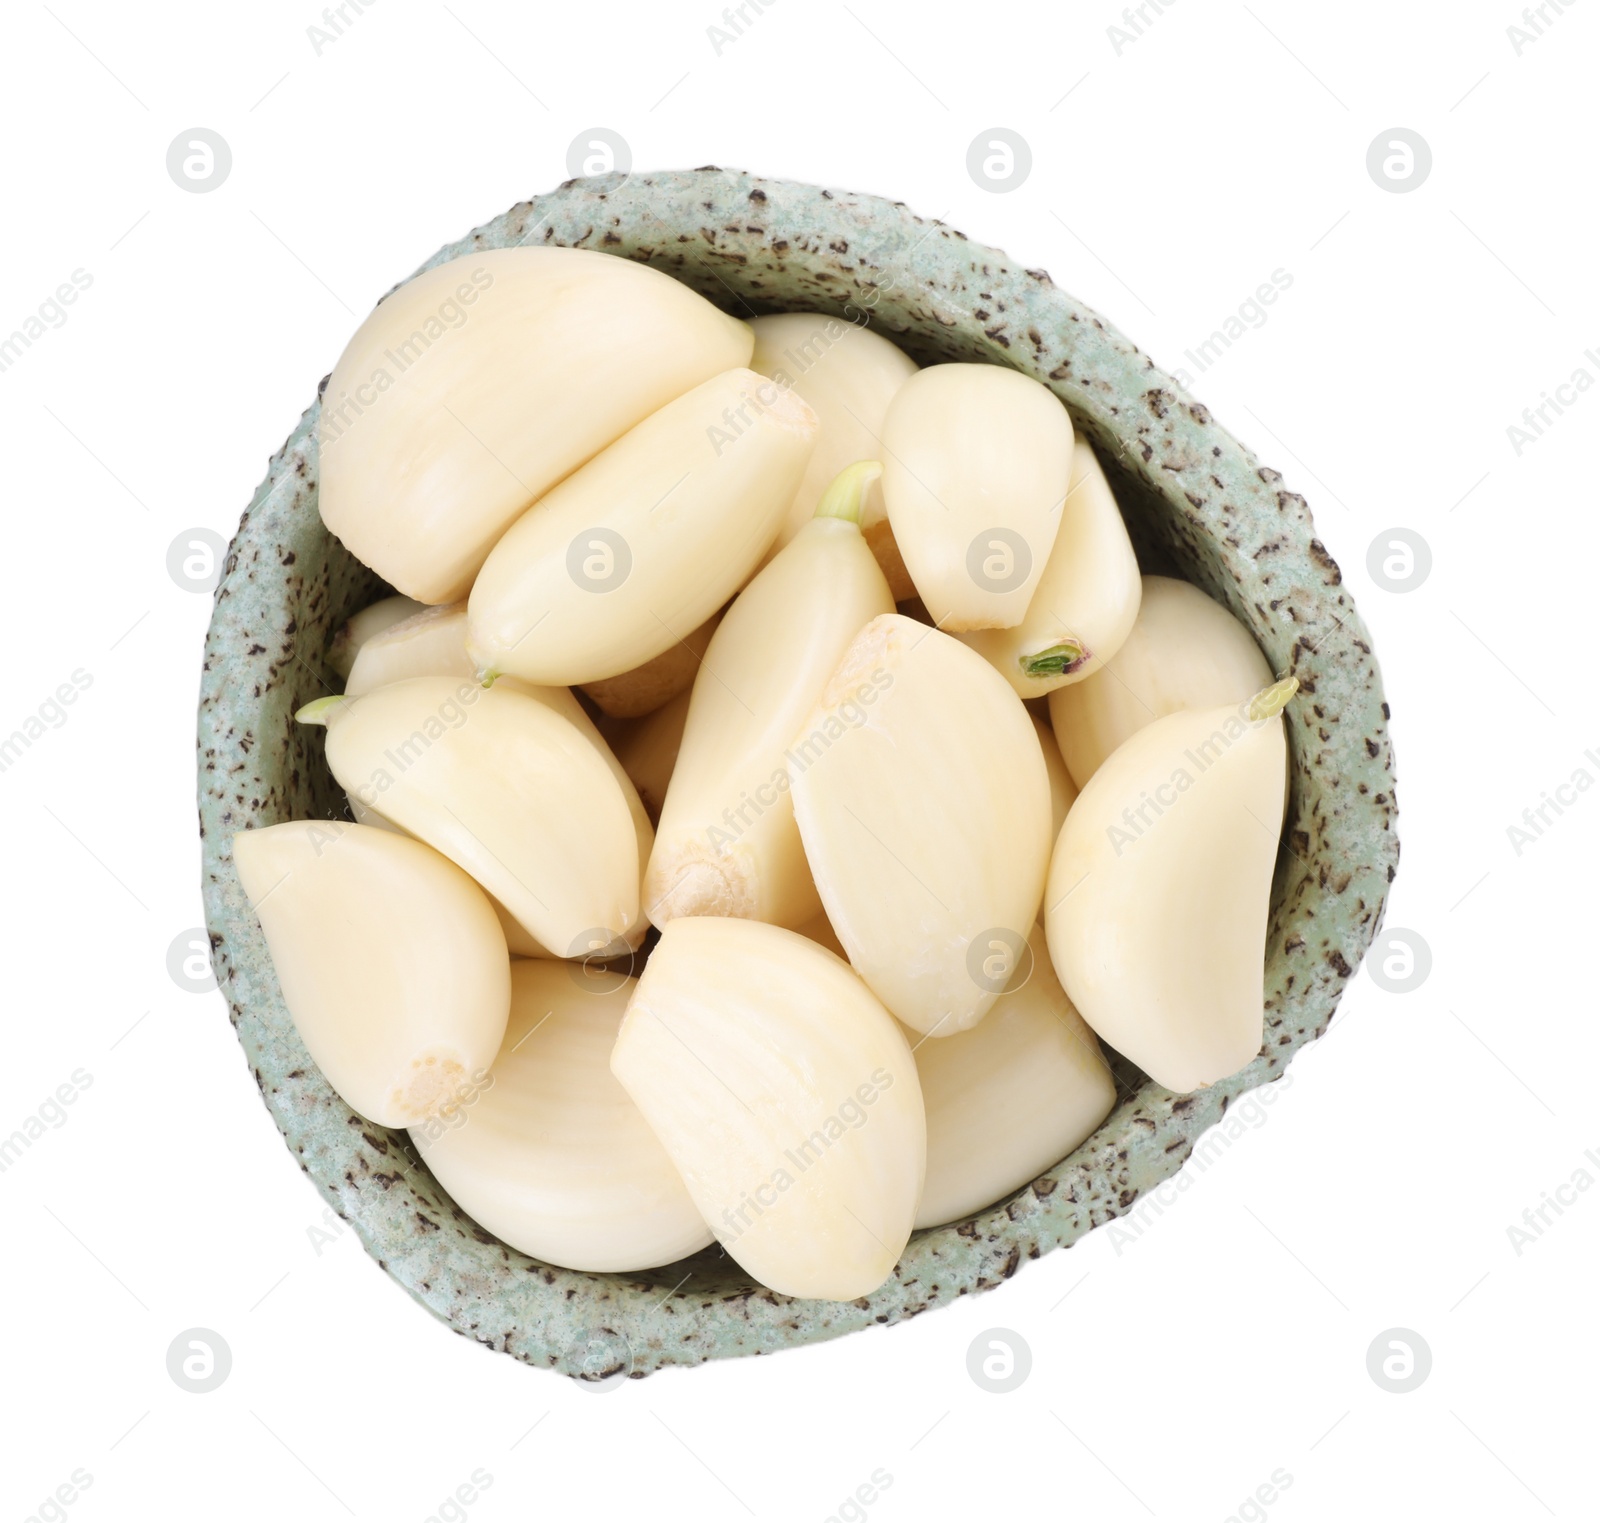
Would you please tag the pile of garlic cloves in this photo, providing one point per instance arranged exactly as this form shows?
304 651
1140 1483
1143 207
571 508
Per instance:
769 782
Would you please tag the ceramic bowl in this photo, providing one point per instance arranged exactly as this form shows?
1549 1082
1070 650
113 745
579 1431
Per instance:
1199 505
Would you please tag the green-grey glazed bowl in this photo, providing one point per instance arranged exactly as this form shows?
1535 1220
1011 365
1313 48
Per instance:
1199 505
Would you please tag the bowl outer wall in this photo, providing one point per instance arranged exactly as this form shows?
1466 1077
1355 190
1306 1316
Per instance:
1199 505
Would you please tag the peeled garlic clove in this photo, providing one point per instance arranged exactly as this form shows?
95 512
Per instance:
361 627
786 1097
518 942
549 1153
1012 1097
430 643
434 644
648 751
1157 905
1086 600
506 788
643 544
1183 652
647 688
389 959
564 702
848 374
728 844
924 805
977 462
474 388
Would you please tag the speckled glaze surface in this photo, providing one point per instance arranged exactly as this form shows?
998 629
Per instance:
1199 504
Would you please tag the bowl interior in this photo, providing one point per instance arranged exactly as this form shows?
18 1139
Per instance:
1198 505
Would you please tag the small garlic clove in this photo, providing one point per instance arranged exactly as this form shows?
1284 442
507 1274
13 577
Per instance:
1183 652
361 627
1086 600
924 804
474 388
849 375
728 843
429 643
508 789
548 1152
977 464
1157 905
632 694
389 959
638 548
1012 1097
787 1098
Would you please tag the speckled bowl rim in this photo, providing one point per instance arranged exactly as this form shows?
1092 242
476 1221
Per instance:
1199 504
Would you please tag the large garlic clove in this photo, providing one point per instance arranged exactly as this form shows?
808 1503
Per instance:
1157 904
1010 1098
786 1097
549 1153
728 844
389 959
629 695
361 627
1183 652
474 388
641 546
924 805
434 644
506 788
648 751
848 374
1086 600
977 463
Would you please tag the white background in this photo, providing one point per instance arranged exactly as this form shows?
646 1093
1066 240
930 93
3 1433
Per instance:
1172 173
